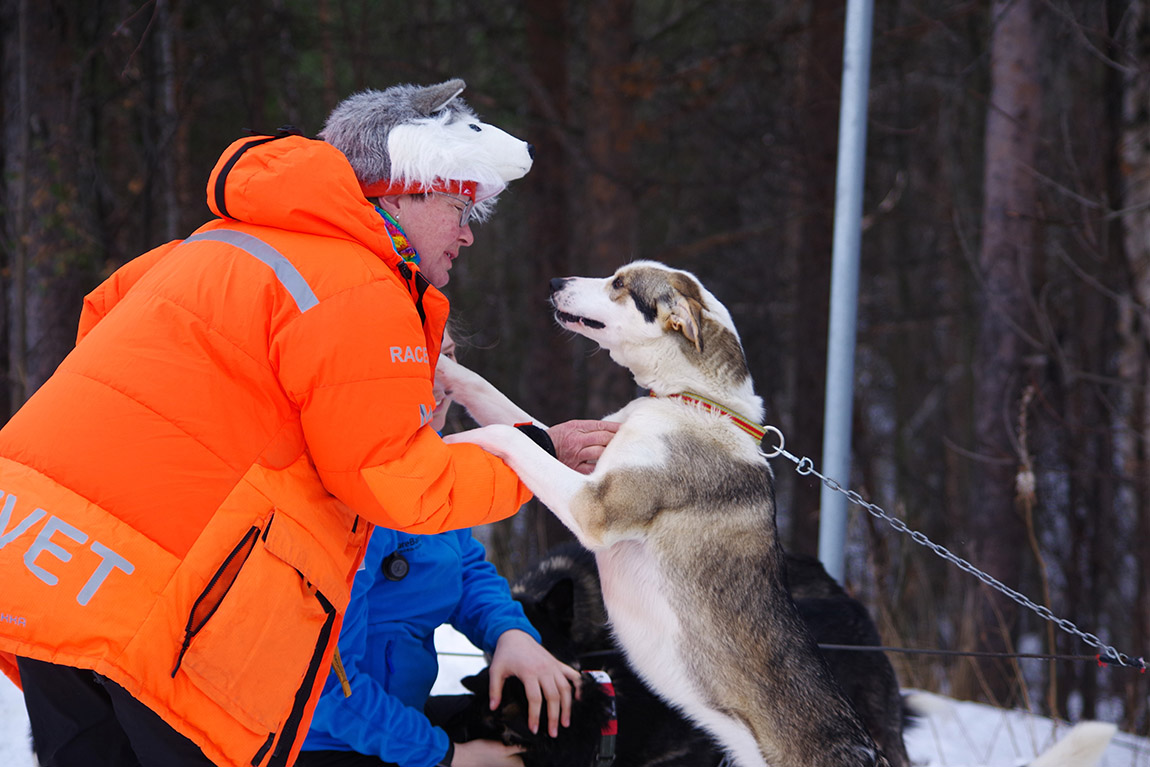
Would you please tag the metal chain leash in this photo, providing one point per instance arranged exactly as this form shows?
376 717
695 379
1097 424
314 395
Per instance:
805 466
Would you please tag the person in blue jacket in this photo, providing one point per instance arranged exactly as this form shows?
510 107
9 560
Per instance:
409 585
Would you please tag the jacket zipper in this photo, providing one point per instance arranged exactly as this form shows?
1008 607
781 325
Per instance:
224 578
290 730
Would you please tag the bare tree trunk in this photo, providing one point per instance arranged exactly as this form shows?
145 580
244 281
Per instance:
327 53
168 121
50 222
549 231
549 227
288 95
1134 319
17 119
817 131
609 216
257 74
1006 263
810 241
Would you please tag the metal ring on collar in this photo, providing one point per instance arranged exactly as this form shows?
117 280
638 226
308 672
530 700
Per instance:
776 452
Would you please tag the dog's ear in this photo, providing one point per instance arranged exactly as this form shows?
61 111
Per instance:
559 605
477 683
687 318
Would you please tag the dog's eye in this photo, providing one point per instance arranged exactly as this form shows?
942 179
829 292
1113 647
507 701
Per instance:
475 127
618 283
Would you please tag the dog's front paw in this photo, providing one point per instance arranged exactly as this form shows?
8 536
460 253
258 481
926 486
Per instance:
448 373
494 439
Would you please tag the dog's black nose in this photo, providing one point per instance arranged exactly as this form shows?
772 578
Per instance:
531 151
557 284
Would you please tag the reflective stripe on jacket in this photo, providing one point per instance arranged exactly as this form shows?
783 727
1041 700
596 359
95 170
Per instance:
184 502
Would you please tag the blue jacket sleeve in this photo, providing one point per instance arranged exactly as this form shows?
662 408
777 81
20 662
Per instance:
486 609
371 721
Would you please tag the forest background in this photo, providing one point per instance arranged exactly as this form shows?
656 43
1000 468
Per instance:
1003 368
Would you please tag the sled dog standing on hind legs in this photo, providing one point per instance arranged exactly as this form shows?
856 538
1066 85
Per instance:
680 513
657 449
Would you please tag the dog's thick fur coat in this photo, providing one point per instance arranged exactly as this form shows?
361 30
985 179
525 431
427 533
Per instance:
560 595
680 514
562 598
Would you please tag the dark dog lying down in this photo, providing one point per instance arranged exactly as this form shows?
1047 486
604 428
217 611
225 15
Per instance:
578 744
562 599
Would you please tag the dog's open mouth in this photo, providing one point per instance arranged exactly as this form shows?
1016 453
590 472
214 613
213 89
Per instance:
577 320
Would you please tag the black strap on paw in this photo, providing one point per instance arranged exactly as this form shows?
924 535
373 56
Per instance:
538 436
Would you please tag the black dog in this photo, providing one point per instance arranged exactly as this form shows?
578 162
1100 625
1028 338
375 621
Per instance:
562 599
866 678
589 738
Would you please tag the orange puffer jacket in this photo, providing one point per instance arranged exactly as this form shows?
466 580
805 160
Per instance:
185 501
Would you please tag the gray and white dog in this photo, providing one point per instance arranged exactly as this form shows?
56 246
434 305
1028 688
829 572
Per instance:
680 514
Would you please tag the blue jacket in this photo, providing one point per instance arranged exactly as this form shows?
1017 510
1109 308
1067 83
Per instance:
387 648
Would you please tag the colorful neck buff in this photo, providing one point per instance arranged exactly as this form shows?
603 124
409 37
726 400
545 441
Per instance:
398 238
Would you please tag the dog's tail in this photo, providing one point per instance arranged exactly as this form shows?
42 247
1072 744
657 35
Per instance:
910 713
1083 746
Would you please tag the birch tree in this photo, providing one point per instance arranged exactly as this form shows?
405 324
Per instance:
1005 265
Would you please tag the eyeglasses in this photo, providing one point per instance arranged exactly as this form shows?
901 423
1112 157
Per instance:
465 211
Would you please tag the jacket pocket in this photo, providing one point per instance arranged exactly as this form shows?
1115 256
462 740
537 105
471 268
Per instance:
254 643
221 583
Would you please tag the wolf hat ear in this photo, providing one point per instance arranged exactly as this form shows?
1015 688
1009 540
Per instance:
427 101
410 139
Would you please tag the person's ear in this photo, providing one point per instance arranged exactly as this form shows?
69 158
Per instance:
390 203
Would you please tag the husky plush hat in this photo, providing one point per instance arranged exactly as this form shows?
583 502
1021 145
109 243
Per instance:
410 139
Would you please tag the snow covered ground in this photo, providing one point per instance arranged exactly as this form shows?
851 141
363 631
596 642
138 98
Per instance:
951 734
14 751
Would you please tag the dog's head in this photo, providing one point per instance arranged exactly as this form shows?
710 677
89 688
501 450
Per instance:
562 598
419 137
660 323
575 746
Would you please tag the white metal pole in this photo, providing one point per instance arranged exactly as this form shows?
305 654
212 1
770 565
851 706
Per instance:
836 461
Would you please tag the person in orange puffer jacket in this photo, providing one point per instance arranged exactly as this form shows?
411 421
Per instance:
184 503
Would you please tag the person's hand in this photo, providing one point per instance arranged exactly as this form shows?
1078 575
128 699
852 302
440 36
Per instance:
486 753
543 677
579 444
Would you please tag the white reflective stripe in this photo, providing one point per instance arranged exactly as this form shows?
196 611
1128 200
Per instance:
284 270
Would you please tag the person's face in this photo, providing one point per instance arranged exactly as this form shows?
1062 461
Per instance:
432 226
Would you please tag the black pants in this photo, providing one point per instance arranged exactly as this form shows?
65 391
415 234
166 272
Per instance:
339 759
82 719
439 709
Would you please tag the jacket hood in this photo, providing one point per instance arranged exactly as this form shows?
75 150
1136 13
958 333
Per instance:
297 184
